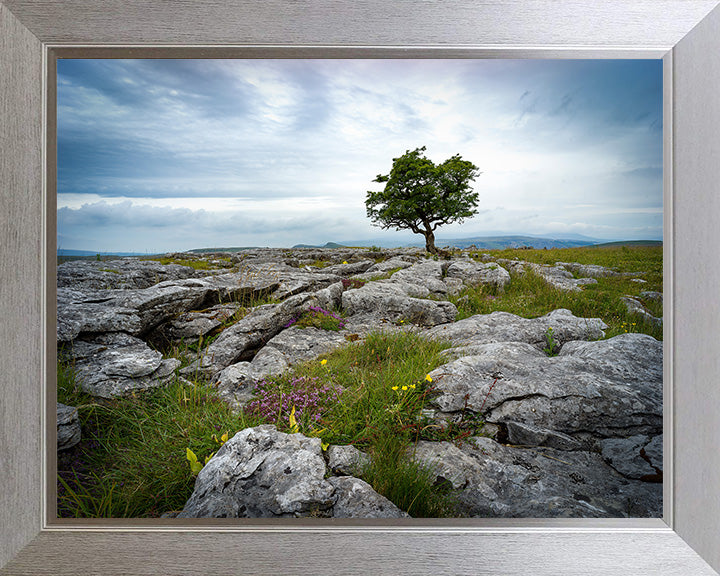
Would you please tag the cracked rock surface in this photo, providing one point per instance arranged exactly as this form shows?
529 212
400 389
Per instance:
574 435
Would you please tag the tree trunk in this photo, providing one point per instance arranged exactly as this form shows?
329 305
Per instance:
430 241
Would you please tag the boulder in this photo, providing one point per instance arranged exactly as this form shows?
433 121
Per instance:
588 270
479 274
346 460
652 296
263 473
68 426
512 266
386 266
355 498
482 329
500 481
117 364
637 308
592 390
390 300
331 297
558 277
428 274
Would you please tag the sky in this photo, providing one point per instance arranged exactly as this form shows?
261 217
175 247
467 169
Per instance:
170 155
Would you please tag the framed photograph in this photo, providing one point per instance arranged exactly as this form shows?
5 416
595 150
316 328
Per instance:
680 34
274 157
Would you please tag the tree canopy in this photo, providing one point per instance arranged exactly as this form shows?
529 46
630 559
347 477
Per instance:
420 196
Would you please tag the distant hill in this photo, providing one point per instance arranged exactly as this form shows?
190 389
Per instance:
486 242
500 242
326 245
231 249
629 243
86 253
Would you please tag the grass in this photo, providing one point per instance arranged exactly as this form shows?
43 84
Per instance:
196 264
529 296
132 459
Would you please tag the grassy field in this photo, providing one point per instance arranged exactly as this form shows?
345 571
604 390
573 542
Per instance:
530 296
133 458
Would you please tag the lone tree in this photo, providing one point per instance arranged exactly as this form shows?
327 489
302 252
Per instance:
421 196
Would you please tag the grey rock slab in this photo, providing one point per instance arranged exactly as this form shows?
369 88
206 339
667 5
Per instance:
123 273
81 312
390 264
479 274
512 266
520 434
558 277
349 269
505 327
190 326
390 300
139 311
428 274
331 297
346 460
292 281
263 473
355 498
68 426
588 270
242 340
652 296
637 308
116 364
629 456
653 451
292 346
608 388
500 481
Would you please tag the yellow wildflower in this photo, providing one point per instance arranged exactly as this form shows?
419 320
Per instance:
404 387
394 387
323 361
428 378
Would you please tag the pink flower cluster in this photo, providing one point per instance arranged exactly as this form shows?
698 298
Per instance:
309 397
315 312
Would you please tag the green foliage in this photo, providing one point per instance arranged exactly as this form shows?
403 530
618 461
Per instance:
133 458
529 296
551 344
420 195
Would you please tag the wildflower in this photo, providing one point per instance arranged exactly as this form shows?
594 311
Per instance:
394 387
404 387
428 378
323 361
344 261
412 386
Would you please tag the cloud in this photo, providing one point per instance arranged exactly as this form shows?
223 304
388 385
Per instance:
198 146
184 229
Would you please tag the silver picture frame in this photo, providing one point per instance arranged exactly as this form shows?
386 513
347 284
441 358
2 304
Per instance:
684 33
